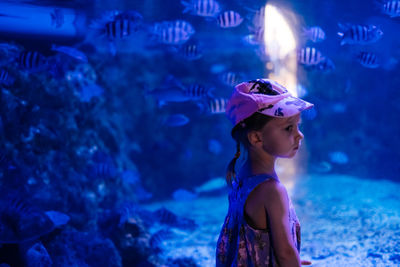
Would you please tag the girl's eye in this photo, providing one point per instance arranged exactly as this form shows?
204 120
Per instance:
289 128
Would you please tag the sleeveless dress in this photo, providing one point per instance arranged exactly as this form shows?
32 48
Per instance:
241 245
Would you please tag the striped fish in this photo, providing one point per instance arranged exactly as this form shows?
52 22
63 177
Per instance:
391 8
5 78
229 19
204 8
117 24
309 56
32 60
257 18
315 34
230 78
368 59
120 29
197 91
359 34
190 51
173 32
217 105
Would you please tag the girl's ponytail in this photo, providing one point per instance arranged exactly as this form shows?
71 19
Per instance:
230 171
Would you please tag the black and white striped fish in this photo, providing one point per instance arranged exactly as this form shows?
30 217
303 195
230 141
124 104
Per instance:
190 51
368 59
314 33
197 91
309 56
32 61
5 78
230 78
173 32
391 8
204 8
118 24
229 19
359 34
216 105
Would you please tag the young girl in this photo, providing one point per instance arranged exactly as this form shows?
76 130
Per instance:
261 227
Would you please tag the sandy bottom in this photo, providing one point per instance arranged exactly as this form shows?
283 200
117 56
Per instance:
346 221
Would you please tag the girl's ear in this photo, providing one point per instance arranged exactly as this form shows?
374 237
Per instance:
254 138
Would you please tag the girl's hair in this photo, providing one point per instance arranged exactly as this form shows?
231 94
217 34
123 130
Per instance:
239 133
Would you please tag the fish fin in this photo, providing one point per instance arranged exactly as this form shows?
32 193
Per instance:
171 81
210 92
304 31
201 105
344 26
112 48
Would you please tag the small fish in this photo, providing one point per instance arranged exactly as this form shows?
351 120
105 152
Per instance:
172 32
216 105
359 34
368 60
190 51
197 91
325 65
204 8
338 157
255 38
5 78
229 19
58 218
214 184
117 25
70 51
157 239
102 170
171 91
57 17
183 195
256 18
167 217
21 222
214 146
230 78
32 61
309 56
176 120
322 167
314 33
391 8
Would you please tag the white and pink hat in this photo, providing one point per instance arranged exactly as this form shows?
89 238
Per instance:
265 96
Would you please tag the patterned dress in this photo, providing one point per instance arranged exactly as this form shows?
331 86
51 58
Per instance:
241 245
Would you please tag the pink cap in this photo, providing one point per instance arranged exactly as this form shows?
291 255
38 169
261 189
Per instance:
265 96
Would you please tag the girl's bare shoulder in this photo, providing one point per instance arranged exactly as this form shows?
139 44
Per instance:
272 189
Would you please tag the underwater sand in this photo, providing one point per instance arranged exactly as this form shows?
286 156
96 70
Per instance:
346 221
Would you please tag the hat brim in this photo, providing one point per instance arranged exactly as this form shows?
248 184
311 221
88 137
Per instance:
287 107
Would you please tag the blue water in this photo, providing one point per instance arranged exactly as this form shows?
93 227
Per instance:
112 110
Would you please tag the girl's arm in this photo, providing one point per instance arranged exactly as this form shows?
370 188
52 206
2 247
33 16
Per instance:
277 207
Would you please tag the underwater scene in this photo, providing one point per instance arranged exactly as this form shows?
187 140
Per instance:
115 141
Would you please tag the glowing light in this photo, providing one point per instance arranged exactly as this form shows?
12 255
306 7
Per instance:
280 45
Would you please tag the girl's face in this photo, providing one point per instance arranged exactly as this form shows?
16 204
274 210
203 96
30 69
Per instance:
282 136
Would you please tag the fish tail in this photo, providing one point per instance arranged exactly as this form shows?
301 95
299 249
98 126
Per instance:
187 5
